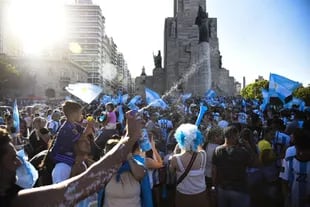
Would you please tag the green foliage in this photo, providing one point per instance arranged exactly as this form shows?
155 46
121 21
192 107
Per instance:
8 72
303 93
253 90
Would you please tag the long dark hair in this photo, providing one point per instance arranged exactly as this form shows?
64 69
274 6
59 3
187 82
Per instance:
5 139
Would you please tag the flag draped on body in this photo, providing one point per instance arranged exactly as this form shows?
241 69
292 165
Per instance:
282 87
153 99
85 91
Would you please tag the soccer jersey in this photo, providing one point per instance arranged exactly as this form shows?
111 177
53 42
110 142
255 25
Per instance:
165 125
242 118
297 173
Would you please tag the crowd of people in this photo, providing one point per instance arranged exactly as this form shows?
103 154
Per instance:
238 155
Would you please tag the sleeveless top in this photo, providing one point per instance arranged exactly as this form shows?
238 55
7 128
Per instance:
193 183
112 120
125 192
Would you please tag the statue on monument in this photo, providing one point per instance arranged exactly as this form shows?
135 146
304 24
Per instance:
220 61
157 60
202 22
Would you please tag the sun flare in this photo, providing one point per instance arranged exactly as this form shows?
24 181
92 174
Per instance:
37 24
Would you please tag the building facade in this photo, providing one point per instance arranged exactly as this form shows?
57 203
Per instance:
46 73
9 44
85 32
189 65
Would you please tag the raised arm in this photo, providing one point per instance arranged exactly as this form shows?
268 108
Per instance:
73 190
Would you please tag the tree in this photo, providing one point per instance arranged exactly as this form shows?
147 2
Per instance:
253 90
303 93
8 72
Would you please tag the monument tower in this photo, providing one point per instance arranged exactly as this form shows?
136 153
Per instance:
190 48
192 60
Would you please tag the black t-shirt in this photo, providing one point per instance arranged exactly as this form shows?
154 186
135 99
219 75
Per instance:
38 145
231 163
6 200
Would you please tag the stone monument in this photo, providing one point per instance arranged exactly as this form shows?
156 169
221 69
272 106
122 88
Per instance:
191 53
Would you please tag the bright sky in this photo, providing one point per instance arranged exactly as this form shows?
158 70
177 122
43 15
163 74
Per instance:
256 37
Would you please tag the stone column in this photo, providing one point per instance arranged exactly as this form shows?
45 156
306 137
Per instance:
204 61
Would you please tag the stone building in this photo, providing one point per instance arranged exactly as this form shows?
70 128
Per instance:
190 65
46 73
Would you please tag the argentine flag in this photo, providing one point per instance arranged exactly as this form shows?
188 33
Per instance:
132 103
265 95
135 100
106 99
125 98
153 99
186 96
87 92
16 122
282 87
210 94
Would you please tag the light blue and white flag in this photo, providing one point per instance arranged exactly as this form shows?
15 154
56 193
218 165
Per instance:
297 102
120 115
106 99
153 99
133 106
186 96
16 122
87 92
132 103
265 95
302 106
281 87
135 100
115 100
125 98
210 94
223 105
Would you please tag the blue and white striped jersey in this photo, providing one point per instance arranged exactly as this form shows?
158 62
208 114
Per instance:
297 173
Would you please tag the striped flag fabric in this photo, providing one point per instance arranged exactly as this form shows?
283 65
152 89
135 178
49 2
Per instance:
16 122
87 92
153 99
210 94
282 87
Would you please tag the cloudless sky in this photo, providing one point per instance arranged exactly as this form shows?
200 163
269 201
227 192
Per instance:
256 37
